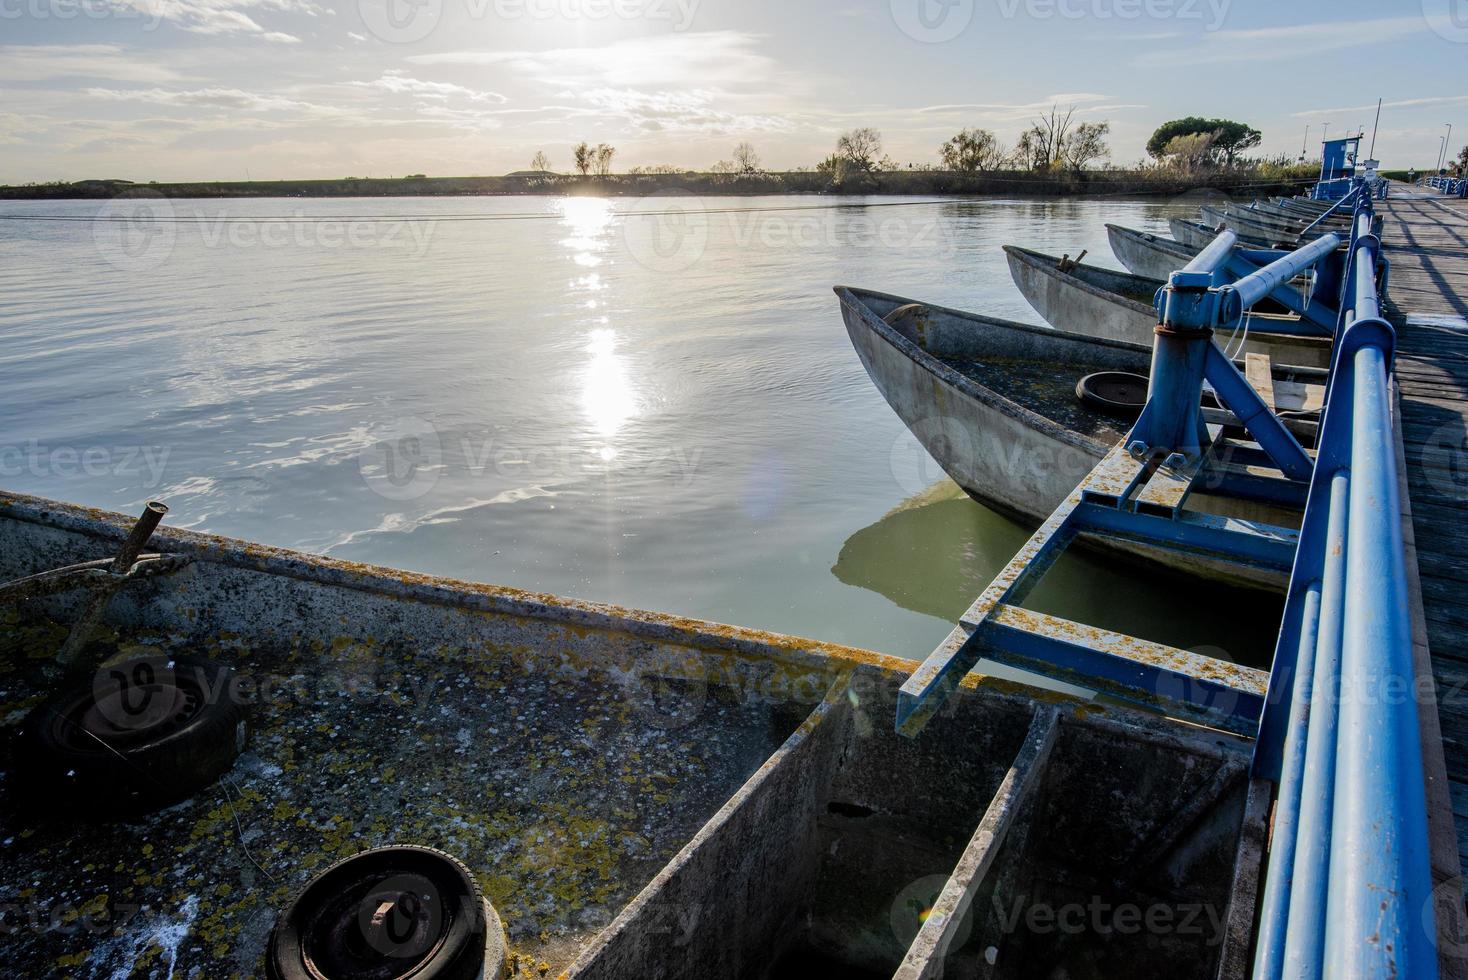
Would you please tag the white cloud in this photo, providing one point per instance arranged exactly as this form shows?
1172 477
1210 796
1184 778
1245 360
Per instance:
46 62
214 17
676 61
1085 103
399 83
1398 104
212 98
680 112
1281 43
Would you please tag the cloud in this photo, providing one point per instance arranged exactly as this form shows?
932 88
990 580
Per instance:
112 144
678 61
216 17
1398 104
46 62
1281 43
680 112
212 98
399 83
1085 103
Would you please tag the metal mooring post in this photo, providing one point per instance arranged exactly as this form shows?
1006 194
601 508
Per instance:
69 658
1186 312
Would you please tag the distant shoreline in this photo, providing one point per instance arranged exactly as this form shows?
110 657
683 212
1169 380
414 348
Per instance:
1107 183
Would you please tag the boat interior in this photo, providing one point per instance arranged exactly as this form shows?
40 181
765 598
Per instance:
637 795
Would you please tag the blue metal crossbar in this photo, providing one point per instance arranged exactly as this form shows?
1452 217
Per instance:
1345 204
1348 889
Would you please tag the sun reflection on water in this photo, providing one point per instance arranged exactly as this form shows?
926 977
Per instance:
607 395
588 219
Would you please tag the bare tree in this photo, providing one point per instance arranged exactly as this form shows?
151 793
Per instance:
1041 145
973 150
584 154
540 161
604 155
746 161
1057 140
860 148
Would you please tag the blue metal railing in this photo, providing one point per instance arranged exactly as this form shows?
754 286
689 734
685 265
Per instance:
1348 888
1451 186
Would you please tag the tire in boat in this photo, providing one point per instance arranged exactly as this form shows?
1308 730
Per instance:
141 735
1118 393
389 913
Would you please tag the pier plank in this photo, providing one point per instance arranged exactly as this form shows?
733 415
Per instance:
1426 242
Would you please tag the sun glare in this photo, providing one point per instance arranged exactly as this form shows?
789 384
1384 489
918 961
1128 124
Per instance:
607 396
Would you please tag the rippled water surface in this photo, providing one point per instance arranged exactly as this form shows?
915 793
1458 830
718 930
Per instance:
566 395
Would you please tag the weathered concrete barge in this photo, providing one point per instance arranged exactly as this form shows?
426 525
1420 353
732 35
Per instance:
638 795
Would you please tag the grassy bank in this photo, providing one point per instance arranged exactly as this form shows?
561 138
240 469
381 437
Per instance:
904 182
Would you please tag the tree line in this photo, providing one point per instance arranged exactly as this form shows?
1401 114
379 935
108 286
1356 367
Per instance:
1055 142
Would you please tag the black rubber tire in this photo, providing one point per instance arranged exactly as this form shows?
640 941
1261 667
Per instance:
327 924
1117 393
469 944
143 734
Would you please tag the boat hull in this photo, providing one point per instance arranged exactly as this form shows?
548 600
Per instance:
1004 456
1148 255
1199 236
1076 305
1096 302
1019 465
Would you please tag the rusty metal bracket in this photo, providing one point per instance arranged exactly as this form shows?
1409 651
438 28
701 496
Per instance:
105 577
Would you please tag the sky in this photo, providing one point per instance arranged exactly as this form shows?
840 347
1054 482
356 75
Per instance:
274 89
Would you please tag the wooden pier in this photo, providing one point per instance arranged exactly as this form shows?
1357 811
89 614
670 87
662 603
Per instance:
1426 239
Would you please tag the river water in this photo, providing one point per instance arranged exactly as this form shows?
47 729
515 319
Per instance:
645 402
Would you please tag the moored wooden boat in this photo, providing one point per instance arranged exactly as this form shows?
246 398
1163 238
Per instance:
637 795
1148 255
1196 235
994 403
1340 221
1095 302
1258 229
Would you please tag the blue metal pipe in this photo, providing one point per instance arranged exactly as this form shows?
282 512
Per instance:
1379 916
1368 304
1257 285
1310 887
1213 258
1275 906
